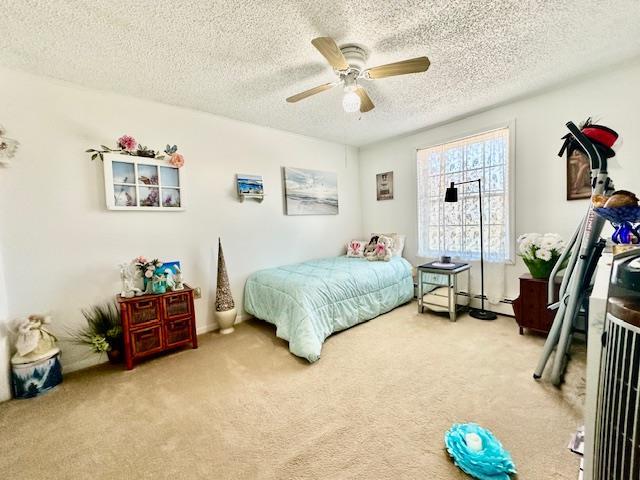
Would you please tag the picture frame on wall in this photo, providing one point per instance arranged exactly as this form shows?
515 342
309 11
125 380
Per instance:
578 176
250 186
310 192
142 184
384 186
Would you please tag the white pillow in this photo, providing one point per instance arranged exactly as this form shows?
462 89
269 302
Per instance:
355 248
398 242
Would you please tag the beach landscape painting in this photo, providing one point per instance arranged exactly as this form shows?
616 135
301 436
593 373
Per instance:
249 184
310 192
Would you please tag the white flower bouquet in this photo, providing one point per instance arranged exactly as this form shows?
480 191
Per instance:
540 252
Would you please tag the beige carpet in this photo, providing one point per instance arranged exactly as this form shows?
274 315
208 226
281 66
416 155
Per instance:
375 406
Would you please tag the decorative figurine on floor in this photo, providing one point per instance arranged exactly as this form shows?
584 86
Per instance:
478 453
33 337
35 366
225 307
129 275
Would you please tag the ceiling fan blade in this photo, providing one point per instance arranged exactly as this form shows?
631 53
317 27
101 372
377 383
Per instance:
328 48
311 91
414 65
365 101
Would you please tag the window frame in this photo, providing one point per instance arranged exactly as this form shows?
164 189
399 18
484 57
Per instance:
137 161
511 177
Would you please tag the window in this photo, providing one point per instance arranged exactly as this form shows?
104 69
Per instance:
454 228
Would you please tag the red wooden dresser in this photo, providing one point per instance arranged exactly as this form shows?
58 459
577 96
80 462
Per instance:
155 323
530 307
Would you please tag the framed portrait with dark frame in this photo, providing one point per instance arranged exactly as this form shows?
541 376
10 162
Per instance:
384 186
578 176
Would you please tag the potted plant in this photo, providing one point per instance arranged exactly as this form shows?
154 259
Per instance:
103 332
540 252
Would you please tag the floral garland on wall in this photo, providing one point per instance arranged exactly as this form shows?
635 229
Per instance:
127 145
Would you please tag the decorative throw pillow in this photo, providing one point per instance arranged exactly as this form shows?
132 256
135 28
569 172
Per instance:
355 248
398 242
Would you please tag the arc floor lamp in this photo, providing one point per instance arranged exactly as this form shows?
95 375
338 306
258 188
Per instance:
451 195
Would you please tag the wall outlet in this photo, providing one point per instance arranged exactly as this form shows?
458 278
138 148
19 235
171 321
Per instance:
197 292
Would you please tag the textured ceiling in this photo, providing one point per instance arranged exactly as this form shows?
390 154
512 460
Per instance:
242 58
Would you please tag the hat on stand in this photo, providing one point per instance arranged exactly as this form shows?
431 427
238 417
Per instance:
603 139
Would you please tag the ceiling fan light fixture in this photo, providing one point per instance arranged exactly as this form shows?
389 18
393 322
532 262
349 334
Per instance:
348 63
350 101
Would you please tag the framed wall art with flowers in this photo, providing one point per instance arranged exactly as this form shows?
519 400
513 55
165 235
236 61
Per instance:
137 178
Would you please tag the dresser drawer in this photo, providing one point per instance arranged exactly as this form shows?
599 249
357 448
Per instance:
146 340
143 311
177 305
177 332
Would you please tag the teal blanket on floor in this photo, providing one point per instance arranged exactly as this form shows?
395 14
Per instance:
309 301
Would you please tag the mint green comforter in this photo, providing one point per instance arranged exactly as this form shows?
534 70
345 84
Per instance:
309 301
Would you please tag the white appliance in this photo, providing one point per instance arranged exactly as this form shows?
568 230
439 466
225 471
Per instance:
612 409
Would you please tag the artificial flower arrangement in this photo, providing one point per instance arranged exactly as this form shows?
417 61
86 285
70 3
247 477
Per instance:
127 145
103 332
540 252
147 267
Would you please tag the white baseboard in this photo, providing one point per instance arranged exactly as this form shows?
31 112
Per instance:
98 359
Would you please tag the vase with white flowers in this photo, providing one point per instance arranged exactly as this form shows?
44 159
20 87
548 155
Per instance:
148 269
540 252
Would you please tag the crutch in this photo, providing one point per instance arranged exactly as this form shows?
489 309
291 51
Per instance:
582 263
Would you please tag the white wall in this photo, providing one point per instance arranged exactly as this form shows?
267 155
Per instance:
540 195
62 247
5 386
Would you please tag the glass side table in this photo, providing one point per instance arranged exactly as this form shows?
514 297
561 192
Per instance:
434 276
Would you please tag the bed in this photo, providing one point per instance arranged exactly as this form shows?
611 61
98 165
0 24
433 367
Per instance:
309 301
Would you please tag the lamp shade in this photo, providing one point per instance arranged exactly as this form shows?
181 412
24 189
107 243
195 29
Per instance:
451 195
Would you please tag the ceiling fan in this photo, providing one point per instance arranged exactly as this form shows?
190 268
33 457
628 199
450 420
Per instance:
348 64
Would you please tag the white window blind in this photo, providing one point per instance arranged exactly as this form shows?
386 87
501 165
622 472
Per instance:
454 228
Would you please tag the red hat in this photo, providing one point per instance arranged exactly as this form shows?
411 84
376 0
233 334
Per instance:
602 137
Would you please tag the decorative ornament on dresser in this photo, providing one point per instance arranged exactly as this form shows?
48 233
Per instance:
540 252
225 307
130 276
36 365
8 147
177 279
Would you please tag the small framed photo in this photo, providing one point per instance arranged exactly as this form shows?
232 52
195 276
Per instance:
168 268
249 185
384 186
578 176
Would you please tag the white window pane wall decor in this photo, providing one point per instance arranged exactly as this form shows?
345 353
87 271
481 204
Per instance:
454 228
140 183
